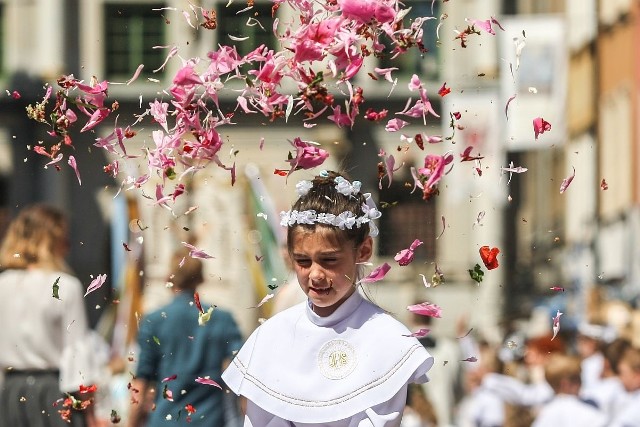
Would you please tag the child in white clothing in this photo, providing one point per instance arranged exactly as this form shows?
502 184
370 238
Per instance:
562 373
335 360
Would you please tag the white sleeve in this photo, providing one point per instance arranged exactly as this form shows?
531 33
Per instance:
258 417
386 414
514 391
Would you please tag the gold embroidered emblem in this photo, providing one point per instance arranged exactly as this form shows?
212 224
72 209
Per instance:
336 359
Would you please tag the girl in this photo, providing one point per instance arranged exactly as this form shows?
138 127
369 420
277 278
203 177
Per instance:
335 360
45 354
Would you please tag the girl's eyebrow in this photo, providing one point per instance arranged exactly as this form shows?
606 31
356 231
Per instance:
327 253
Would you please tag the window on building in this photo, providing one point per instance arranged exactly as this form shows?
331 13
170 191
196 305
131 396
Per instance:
131 32
256 25
414 61
406 217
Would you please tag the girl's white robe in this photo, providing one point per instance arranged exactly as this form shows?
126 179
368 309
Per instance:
345 370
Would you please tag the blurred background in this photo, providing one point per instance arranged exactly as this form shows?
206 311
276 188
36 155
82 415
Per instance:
579 69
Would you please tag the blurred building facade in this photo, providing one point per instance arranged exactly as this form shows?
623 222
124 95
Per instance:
578 70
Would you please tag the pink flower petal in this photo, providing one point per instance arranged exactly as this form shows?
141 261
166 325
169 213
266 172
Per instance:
405 256
195 252
506 108
423 332
136 74
208 381
395 125
265 299
556 324
567 181
377 274
426 309
96 283
74 165
540 126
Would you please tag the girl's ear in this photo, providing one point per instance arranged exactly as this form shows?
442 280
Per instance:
365 250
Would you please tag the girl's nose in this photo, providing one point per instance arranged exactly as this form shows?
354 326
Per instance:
316 275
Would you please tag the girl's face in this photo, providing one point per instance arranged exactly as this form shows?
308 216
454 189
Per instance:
326 270
629 378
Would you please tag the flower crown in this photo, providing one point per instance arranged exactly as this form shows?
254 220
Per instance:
345 220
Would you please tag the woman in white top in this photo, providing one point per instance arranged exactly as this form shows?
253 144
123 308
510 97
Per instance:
335 360
43 353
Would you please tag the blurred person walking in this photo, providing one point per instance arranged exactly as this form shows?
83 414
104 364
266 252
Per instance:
563 374
629 374
609 392
44 355
177 346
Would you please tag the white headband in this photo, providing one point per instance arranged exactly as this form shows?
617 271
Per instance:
345 220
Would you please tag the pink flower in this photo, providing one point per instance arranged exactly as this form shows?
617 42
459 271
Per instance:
186 76
405 256
365 11
426 309
313 40
427 178
395 125
433 169
540 126
423 106
386 73
99 115
307 155
486 25
339 118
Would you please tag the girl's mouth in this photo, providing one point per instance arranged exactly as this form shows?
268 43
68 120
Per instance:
323 291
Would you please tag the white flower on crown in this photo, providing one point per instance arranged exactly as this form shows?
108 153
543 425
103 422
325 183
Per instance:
347 188
303 187
369 208
345 220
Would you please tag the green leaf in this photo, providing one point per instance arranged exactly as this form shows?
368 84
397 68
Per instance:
56 288
156 340
476 274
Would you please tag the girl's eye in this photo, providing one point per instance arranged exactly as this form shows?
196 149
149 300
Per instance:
303 262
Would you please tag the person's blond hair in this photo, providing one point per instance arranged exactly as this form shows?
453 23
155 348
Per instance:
562 368
37 237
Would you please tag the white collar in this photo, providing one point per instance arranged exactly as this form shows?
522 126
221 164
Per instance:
342 312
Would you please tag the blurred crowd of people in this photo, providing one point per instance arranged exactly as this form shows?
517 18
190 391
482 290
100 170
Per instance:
588 375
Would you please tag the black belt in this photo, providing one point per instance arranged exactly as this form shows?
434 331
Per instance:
32 372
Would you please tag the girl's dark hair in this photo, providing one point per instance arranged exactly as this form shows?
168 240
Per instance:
323 197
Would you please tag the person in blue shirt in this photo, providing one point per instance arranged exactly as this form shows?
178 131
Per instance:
181 352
